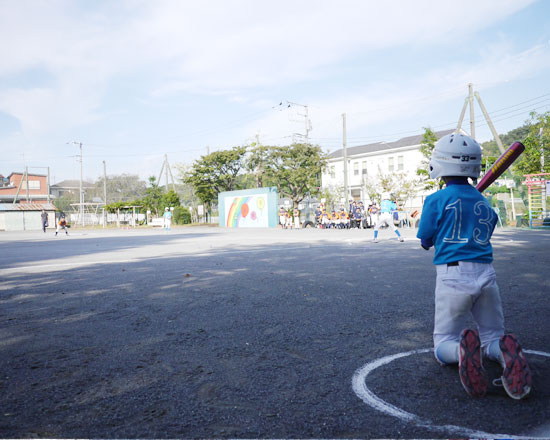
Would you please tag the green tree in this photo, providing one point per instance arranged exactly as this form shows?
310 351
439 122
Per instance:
182 216
120 188
170 199
398 184
490 148
536 157
295 169
256 163
64 202
153 197
429 138
332 194
215 173
185 190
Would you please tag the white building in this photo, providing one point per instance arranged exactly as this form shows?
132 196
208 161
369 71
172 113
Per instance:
368 162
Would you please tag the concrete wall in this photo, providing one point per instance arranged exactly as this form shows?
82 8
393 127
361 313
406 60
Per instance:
24 220
20 221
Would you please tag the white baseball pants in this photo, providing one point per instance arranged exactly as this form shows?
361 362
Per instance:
387 218
464 291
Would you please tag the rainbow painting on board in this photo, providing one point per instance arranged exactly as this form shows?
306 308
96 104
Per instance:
246 211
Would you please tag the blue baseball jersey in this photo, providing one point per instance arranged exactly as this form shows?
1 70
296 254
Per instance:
459 222
387 206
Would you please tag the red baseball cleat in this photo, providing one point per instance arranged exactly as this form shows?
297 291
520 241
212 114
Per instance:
470 369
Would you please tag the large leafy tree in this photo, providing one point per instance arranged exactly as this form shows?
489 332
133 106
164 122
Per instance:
295 169
256 165
427 145
153 199
399 184
536 157
216 172
123 187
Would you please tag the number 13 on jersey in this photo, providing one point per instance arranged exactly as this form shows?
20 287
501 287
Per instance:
483 225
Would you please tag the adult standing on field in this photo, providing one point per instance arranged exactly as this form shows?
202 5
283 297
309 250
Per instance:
44 219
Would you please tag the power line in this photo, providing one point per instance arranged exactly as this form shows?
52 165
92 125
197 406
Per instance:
514 113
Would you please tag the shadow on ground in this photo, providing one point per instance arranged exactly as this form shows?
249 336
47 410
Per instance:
260 342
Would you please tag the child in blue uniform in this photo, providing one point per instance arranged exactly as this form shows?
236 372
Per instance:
458 221
387 208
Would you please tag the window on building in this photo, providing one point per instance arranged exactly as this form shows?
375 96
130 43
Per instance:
355 168
332 172
390 164
364 168
399 163
33 184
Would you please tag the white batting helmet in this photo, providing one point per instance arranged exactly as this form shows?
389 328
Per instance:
456 155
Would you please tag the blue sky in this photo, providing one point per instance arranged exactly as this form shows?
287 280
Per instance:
135 80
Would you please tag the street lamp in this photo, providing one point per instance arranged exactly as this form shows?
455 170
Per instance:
81 213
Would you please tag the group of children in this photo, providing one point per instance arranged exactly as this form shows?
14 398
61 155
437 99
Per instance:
289 219
342 219
335 219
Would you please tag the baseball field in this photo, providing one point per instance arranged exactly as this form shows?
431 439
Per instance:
251 333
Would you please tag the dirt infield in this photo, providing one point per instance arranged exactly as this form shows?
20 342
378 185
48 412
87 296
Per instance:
207 332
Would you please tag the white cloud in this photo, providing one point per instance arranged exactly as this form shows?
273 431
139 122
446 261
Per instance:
380 103
245 49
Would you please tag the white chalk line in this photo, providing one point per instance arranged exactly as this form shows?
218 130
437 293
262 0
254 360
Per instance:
366 395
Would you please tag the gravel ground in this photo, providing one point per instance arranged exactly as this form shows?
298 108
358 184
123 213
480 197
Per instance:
208 332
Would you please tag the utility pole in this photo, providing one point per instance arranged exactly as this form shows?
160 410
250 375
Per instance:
470 101
541 150
166 169
27 182
489 123
472 118
306 119
541 131
259 181
462 113
48 185
166 172
308 124
81 193
104 182
104 193
81 205
344 145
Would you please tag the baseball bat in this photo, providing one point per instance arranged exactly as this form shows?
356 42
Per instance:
502 164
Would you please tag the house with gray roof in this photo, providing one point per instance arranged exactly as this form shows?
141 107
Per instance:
366 163
67 187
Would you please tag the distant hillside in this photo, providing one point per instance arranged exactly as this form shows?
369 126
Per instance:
490 148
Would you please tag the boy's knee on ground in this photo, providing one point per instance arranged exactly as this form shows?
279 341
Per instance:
446 352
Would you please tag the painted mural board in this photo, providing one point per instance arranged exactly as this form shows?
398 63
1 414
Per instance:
256 208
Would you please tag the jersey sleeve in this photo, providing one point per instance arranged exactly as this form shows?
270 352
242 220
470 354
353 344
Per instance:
428 221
